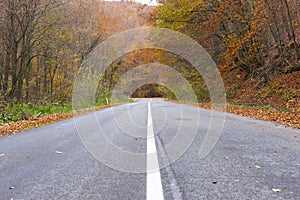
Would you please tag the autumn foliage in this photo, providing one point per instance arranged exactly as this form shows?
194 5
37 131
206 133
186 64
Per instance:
252 42
43 43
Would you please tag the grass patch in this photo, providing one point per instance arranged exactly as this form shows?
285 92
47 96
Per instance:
25 111
14 112
266 107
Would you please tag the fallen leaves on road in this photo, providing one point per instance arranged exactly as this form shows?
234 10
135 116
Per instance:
275 151
15 127
276 190
291 119
286 118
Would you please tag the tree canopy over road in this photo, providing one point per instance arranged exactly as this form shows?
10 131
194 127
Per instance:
255 44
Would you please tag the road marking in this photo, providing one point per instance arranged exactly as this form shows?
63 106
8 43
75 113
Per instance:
154 186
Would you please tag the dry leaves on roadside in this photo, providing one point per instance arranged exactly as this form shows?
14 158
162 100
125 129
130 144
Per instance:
290 119
15 127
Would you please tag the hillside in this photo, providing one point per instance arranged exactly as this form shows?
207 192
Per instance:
282 92
255 44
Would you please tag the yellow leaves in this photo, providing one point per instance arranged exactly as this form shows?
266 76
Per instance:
61 36
234 45
104 27
76 60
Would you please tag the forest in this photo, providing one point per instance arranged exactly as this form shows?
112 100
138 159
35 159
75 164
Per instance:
255 44
42 45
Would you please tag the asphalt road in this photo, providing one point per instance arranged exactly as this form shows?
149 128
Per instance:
250 159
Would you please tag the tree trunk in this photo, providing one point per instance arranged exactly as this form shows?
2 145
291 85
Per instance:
292 29
6 71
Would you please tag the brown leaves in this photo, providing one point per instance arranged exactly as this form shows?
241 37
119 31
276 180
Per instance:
15 127
291 119
281 92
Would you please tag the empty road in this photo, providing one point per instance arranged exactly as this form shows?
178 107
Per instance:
252 159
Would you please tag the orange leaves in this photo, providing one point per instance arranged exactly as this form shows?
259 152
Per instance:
290 119
15 127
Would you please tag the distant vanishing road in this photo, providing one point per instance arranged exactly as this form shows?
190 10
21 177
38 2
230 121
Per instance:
252 159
